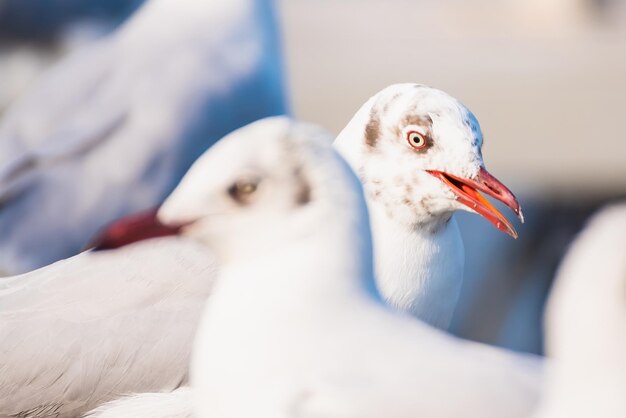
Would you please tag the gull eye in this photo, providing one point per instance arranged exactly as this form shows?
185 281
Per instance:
416 140
241 191
246 188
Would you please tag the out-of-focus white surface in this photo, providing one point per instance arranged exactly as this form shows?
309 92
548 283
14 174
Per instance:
585 324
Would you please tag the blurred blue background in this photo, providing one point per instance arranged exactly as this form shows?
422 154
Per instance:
546 79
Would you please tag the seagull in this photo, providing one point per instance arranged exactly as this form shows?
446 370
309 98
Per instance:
182 263
418 153
586 324
411 193
112 129
295 325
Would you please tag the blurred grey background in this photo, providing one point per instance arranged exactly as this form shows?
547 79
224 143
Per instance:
546 79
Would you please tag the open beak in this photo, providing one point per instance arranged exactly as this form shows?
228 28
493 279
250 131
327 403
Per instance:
133 228
467 192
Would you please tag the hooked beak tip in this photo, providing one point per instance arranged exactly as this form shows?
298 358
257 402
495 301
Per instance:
467 192
520 215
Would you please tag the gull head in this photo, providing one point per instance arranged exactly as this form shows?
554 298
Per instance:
266 184
418 153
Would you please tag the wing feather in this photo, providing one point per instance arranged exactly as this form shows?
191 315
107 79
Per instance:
100 325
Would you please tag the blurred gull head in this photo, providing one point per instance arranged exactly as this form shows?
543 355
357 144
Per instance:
263 185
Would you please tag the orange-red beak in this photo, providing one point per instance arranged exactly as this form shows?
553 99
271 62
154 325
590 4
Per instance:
466 191
133 228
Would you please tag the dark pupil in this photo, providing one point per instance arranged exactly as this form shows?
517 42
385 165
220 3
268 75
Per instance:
417 139
240 191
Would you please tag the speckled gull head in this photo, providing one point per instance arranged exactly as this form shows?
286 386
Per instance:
263 184
420 157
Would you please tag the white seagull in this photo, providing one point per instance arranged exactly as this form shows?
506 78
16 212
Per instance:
417 151
294 326
586 324
118 267
113 128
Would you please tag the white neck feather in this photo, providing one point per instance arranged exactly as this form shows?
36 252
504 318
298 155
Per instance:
301 272
418 270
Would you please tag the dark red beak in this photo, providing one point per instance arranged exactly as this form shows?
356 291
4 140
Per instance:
133 228
466 191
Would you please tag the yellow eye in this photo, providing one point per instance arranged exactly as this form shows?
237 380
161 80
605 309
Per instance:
246 188
241 191
416 140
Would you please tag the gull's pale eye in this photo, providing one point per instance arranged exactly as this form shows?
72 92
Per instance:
416 140
242 190
247 188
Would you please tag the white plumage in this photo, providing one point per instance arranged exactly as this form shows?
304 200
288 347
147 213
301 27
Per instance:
419 261
294 326
417 243
152 405
112 129
586 324
100 325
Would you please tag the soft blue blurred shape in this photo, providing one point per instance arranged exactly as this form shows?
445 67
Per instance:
507 281
113 128
44 19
